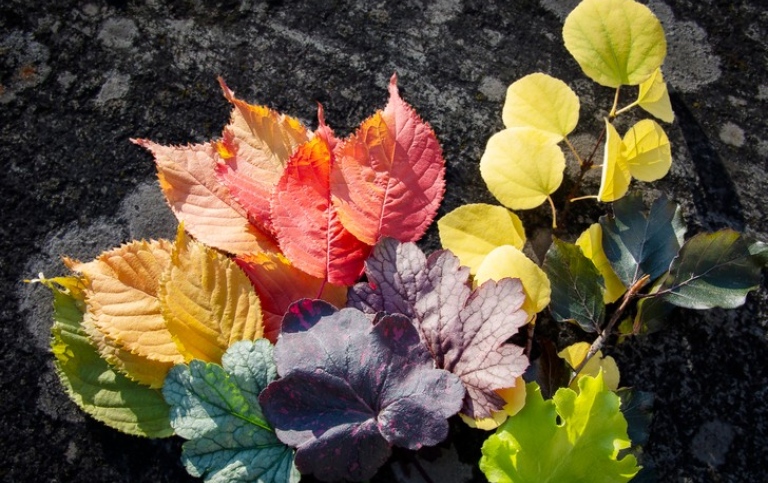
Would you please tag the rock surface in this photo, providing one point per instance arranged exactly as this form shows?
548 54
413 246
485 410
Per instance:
77 80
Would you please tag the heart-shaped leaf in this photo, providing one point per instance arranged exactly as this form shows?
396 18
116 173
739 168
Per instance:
647 151
591 244
653 96
615 177
542 102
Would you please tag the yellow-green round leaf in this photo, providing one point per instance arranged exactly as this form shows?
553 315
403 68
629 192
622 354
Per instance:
615 179
542 102
647 151
574 354
472 231
616 42
522 167
508 261
653 96
591 244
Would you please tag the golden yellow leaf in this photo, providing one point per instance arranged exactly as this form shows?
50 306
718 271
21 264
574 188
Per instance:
472 231
515 400
647 151
207 301
653 96
508 261
615 179
591 244
542 102
576 353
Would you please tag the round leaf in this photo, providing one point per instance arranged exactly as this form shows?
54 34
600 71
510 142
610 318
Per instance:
615 179
647 151
508 261
472 231
616 42
543 102
522 167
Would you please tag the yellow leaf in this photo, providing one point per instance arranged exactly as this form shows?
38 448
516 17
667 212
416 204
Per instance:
515 400
543 102
591 244
472 231
508 261
522 167
207 301
615 179
576 353
647 151
616 42
653 96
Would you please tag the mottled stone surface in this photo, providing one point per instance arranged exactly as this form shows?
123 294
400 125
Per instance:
77 80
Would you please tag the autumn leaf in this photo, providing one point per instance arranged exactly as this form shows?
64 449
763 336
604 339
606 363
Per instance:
615 177
390 179
591 244
207 302
647 151
307 224
653 96
279 284
575 354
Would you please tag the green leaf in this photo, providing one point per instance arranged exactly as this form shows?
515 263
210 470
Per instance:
647 151
637 407
543 102
759 252
712 270
577 286
616 42
584 445
639 241
217 409
98 388
652 314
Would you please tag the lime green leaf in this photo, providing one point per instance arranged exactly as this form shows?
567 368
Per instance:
616 42
577 286
653 96
591 244
522 167
91 383
532 447
217 409
508 261
542 102
712 270
615 179
574 355
472 231
647 151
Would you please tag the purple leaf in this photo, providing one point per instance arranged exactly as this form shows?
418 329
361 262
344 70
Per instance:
351 389
465 330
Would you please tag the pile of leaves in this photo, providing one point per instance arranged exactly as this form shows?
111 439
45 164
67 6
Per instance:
294 327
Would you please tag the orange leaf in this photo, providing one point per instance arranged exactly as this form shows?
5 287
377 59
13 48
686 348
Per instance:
391 175
279 284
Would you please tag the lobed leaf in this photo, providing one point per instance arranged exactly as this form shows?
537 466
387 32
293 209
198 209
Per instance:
572 437
542 102
615 175
653 96
615 42
591 244
216 408
472 231
391 172
207 302
96 387
647 151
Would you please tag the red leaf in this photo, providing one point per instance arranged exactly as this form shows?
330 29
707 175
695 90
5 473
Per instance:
391 178
305 220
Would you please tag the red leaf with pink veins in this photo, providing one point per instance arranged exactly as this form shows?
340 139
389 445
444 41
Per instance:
206 207
391 177
305 220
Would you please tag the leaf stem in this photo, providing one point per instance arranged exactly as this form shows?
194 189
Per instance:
573 150
554 212
613 113
626 108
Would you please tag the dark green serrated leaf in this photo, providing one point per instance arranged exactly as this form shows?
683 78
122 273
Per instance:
638 241
217 409
577 286
712 270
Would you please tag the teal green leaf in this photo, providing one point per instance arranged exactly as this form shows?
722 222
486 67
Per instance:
637 408
639 241
216 408
577 286
712 270
584 446
97 387
759 252
652 313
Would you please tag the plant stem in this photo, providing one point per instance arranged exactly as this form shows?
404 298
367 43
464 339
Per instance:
613 114
554 212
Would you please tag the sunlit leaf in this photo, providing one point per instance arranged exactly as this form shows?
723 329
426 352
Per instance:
207 301
647 151
522 167
390 179
508 261
591 244
653 96
543 102
615 178
514 399
88 379
572 437
616 42
472 231
575 354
